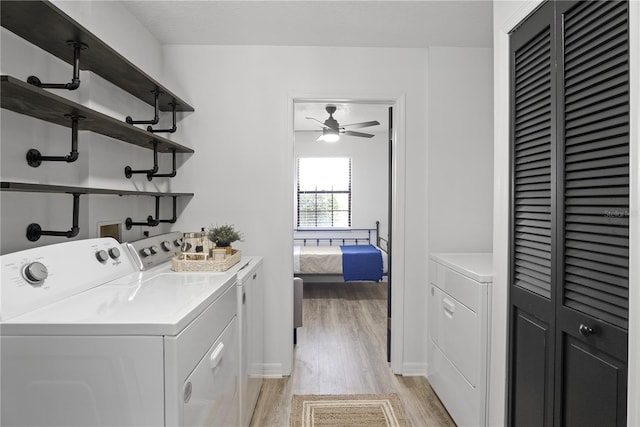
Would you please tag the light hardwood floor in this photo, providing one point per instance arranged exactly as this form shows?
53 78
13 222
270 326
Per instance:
342 350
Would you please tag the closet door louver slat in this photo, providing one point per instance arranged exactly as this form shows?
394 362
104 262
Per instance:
596 159
532 165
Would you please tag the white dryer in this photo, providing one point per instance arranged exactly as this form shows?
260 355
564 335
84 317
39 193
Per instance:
89 339
458 344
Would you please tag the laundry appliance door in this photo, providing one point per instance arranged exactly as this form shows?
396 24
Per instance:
211 391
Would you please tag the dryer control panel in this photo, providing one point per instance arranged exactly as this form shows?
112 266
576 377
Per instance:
40 276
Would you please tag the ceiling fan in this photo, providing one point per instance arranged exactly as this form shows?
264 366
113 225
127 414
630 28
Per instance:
331 129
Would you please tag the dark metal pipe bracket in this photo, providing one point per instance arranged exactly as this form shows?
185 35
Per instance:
151 173
173 173
128 172
156 117
151 221
34 231
75 80
166 221
35 158
173 128
129 223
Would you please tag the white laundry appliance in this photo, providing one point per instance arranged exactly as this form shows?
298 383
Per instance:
458 345
89 339
250 287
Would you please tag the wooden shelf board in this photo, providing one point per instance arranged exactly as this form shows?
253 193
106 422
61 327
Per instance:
24 98
44 25
46 188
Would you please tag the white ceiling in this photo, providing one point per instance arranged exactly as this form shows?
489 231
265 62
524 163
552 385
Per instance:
342 23
361 23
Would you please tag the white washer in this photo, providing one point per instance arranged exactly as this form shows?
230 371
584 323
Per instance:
89 339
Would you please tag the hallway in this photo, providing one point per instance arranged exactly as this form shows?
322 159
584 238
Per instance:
341 350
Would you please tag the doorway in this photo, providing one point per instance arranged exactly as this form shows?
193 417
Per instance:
379 157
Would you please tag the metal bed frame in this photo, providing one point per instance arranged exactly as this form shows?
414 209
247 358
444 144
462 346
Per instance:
351 236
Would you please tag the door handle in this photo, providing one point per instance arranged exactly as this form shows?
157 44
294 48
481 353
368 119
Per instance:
585 330
216 356
448 306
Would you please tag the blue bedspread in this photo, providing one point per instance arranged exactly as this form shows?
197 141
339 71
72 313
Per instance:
361 262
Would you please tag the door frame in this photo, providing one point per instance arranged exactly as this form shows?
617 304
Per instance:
499 299
397 228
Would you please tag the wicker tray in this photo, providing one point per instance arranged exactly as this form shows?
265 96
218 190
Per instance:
202 262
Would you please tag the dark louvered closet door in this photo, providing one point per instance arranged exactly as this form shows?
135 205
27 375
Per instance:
533 136
570 214
592 315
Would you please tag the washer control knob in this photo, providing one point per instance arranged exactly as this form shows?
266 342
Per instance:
102 255
153 249
145 252
178 242
114 253
35 273
166 245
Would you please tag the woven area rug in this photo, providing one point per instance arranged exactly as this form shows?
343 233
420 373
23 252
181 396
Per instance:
370 410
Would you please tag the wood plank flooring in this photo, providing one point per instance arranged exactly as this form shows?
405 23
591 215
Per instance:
342 350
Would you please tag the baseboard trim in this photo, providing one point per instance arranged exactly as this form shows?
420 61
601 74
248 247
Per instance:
272 370
414 369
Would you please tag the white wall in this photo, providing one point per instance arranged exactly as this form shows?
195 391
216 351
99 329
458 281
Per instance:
633 396
369 173
115 25
460 153
242 171
460 150
506 15
102 160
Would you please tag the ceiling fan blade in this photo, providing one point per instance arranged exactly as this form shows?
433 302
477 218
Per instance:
352 133
317 121
363 124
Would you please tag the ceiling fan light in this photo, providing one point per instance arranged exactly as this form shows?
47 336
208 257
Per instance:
330 135
331 138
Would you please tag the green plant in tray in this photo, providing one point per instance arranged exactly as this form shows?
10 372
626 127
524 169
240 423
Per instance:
224 235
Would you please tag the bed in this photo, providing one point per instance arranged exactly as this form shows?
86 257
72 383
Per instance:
340 255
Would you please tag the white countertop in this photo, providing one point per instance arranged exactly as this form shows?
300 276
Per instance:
477 266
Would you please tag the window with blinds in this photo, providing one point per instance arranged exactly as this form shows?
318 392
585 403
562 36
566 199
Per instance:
324 192
532 165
